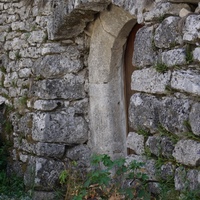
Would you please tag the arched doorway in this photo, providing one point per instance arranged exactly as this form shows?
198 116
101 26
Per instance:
128 70
108 121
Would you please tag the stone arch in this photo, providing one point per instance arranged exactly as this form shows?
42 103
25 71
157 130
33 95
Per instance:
106 81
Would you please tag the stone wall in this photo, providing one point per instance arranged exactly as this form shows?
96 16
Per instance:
44 82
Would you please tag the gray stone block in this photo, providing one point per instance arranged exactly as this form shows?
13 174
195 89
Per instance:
193 179
56 66
42 173
195 119
60 127
148 80
49 150
135 142
144 54
167 171
81 154
164 8
167 35
173 113
71 87
187 152
180 178
153 143
191 29
174 57
187 81
144 112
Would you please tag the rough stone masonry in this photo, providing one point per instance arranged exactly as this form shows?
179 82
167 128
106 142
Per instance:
44 82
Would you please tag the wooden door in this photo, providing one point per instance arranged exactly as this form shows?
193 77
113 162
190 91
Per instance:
128 70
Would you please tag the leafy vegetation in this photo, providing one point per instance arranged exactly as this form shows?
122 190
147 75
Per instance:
10 185
161 67
106 180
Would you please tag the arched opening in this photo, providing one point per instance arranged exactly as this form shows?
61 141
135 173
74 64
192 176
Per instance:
128 70
108 121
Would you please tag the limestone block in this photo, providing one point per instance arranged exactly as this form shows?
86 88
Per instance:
71 87
196 54
18 44
135 142
160 146
55 66
25 63
41 21
174 57
30 52
173 113
12 35
187 152
143 112
164 8
153 143
10 79
3 18
49 48
25 73
167 35
144 53
36 37
23 157
42 173
81 106
24 145
179 178
13 91
189 179
187 81
167 147
184 12
150 166
62 127
23 125
191 29
18 26
49 150
193 177
70 19
12 18
3 36
194 119
81 154
46 105
167 171
148 80
8 45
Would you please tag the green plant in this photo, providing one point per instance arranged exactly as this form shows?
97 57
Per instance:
105 179
23 100
143 132
17 55
10 185
161 67
167 191
3 69
14 83
165 132
188 54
